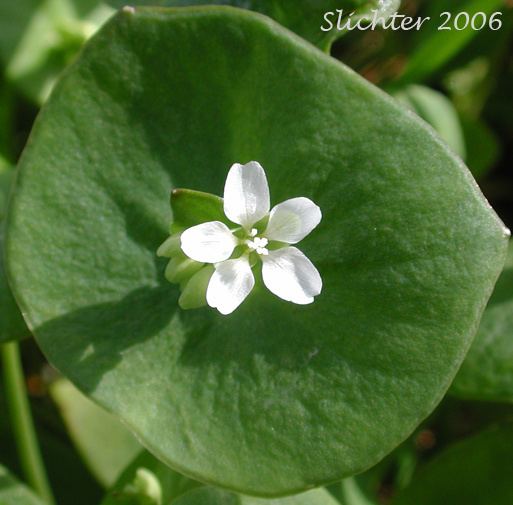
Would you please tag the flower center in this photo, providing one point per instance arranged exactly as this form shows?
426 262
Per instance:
258 244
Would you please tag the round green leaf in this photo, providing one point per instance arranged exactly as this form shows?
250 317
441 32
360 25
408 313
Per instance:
487 372
476 471
276 397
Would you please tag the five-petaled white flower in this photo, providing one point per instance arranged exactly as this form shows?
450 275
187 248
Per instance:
286 271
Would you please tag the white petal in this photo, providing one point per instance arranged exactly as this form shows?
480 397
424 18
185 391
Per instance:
292 220
289 274
246 194
230 284
208 242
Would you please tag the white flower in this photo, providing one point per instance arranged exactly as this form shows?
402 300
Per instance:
286 271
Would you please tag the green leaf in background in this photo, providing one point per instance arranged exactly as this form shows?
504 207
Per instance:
438 111
351 493
487 372
482 147
105 444
6 121
304 17
367 487
213 496
437 47
276 397
39 38
12 325
148 481
476 471
6 175
13 492
60 458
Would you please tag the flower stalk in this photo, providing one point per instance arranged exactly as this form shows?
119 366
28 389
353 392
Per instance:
22 422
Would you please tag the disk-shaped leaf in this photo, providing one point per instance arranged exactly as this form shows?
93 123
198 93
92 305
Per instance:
487 372
476 471
275 397
13 492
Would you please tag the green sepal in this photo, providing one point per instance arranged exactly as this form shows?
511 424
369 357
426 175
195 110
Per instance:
170 247
194 293
261 225
195 207
275 245
180 268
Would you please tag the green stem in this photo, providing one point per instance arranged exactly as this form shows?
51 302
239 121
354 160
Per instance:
22 422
